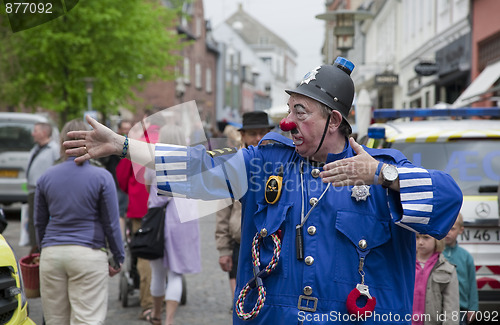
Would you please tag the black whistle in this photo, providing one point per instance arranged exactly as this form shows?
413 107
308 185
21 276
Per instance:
299 243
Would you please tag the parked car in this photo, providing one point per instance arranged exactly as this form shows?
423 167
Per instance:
469 150
13 302
15 144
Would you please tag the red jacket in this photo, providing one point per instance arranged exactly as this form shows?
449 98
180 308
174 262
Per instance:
132 182
137 193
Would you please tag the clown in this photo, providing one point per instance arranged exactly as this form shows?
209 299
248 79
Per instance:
328 226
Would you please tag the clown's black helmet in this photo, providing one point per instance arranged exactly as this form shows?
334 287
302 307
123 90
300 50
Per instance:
330 85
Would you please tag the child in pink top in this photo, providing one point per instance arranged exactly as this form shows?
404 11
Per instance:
435 297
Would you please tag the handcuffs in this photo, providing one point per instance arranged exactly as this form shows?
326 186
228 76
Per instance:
361 289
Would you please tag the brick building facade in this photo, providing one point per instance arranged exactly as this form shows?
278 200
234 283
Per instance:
195 70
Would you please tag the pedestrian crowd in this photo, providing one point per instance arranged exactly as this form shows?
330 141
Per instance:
315 221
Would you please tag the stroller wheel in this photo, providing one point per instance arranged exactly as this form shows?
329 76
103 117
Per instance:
124 290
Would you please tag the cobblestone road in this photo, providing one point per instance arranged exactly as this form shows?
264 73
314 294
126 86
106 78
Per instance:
208 294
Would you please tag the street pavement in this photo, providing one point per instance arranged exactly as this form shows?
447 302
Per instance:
208 293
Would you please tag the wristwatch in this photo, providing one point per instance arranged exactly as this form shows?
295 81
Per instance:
389 175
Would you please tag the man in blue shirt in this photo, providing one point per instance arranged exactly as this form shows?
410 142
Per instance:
328 226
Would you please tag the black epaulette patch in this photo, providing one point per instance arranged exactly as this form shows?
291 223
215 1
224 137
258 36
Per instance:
221 152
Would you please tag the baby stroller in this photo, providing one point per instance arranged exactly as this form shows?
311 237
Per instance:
129 276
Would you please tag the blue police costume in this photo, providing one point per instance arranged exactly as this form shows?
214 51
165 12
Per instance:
347 236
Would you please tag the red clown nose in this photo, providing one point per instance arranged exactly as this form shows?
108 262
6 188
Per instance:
286 125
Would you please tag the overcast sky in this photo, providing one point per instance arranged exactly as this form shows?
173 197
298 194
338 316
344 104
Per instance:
292 20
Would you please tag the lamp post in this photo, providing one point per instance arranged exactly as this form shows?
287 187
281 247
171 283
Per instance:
344 32
89 86
344 26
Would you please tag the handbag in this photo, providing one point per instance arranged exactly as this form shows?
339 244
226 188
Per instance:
148 241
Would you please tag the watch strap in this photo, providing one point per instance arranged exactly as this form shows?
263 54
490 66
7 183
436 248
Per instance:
377 173
386 184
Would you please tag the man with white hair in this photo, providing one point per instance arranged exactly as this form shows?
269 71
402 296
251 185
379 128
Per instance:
43 155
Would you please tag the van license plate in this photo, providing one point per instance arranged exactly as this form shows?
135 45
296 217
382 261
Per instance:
480 235
8 173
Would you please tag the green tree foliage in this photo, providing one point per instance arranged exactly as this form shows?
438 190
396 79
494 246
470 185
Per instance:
120 44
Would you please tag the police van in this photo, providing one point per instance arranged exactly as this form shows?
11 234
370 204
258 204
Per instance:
465 143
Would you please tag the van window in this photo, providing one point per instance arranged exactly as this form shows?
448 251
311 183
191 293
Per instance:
15 136
473 164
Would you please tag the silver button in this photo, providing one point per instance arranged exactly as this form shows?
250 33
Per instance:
308 290
362 244
263 232
311 230
313 201
309 260
315 173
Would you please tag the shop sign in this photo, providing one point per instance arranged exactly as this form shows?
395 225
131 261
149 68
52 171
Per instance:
426 68
386 79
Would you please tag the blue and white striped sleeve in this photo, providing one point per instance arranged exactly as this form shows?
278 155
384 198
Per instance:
171 168
430 201
191 172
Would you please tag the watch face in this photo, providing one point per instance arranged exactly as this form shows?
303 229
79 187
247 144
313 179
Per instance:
390 173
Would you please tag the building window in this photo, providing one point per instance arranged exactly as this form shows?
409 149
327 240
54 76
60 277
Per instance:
208 80
187 75
412 19
428 12
264 40
197 75
198 27
416 103
268 61
385 97
414 84
489 51
444 6
187 10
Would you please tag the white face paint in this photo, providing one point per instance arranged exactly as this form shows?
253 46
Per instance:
307 115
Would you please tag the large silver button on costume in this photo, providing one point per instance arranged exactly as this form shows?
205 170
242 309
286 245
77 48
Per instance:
362 244
311 230
313 201
308 290
315 173
309 260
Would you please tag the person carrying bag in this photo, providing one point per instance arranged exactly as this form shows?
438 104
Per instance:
149 240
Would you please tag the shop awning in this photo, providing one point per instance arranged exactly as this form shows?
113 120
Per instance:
479 86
